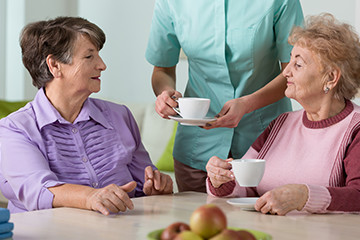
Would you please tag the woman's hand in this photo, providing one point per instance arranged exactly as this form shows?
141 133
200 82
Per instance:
230 115
218 171
284 199
157 182
165 102
112 198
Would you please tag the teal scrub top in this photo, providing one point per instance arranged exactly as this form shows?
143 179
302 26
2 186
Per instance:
234 48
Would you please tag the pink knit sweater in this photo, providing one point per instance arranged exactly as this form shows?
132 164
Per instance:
324 155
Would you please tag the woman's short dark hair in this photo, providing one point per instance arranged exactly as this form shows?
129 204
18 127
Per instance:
54 37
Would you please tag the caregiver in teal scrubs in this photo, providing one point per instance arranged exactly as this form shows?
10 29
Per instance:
236 50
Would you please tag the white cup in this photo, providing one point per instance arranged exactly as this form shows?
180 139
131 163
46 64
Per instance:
248 172
193 108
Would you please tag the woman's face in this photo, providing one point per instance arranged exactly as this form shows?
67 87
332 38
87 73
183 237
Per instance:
304 77
82 76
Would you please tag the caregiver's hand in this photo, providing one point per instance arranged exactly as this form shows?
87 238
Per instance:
283 199
230 115
157 182
218 171
166 101
112 198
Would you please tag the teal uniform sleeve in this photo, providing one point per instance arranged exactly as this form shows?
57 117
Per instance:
289 14
163 46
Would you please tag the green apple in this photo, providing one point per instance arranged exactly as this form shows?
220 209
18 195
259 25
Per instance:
207 221
171 231
188 235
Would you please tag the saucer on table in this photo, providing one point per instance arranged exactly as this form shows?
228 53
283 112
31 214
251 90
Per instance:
246 203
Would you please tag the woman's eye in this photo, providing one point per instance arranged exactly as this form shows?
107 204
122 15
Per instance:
297 65
88 56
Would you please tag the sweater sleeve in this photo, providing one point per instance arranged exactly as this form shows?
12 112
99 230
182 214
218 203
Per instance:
229 189
346 198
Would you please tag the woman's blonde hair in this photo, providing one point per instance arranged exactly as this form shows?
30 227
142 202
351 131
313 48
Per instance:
336 45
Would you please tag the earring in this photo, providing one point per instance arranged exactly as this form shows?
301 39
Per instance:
326 90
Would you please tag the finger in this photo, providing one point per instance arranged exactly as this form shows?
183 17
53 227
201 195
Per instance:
218 179
169 186
260 203
149 173
161 105
163 180
221 163
216 164
122 191
177 95
221 169
165 109
223 111
117 203
148 187
129 186
126 201
101 208
210 125
227 120
161 114
171 101
114 205
225 176
157 179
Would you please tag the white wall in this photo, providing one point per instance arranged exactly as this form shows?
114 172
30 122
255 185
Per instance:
14 73
15 82
126 25
2 46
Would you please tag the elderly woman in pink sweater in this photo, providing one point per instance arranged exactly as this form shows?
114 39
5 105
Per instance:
312 155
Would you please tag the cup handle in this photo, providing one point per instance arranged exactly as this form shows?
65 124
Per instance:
177 110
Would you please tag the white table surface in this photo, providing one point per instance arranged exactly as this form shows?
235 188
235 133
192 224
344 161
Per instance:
156 212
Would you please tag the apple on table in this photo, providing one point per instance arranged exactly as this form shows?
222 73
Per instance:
206 222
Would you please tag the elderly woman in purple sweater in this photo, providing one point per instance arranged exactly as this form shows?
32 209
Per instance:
312 155
65 149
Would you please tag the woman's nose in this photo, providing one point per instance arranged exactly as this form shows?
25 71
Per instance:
287 71
101 65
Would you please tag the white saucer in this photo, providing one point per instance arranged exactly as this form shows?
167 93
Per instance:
247 203
192 121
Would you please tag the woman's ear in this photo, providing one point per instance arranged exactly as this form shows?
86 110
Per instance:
333 77
54 66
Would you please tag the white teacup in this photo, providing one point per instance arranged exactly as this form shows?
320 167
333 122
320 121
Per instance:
248 172
193 108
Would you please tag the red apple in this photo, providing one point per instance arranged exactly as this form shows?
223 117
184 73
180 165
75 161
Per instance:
246 235
227 234
173 230
208 220
188 235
